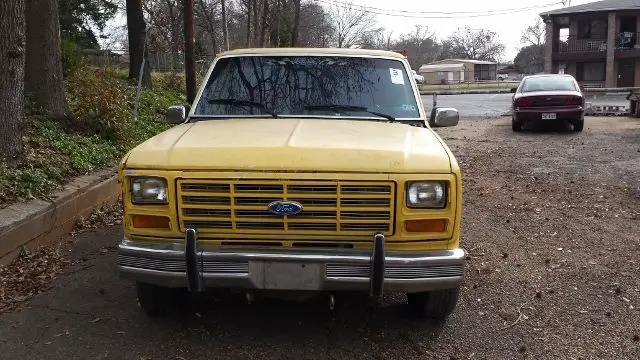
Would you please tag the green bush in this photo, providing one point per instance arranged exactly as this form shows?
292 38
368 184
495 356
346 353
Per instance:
99 102
71 55
102 130
173 82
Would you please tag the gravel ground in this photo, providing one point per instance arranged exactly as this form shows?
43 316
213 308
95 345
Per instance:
552 225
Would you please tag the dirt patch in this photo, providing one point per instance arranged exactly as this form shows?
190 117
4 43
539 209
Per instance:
552 223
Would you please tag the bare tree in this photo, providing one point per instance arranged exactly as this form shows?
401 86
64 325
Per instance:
476 44
206 12
225 33
421 46
137 30
43 79
12 60
534 34
160 16
351 23
315 29
296 23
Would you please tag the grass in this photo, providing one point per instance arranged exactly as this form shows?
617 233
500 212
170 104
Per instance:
468 86
96 138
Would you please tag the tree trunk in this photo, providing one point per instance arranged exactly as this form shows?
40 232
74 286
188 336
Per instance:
43 82
189 45
263 27
248 4
12 62
225 31
175 33
256 21
137 31
278 17
296 23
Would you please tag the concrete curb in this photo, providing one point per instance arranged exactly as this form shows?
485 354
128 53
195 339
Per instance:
39 222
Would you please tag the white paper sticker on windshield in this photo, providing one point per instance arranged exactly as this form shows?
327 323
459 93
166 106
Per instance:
396 76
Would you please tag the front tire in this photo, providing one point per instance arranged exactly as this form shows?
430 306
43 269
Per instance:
160 301
435 305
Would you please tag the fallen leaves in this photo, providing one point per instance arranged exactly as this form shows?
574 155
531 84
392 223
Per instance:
30 274
105 215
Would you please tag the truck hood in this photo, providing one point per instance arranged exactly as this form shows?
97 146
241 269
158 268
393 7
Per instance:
291 144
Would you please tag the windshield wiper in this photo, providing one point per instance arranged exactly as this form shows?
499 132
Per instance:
348 108
236 102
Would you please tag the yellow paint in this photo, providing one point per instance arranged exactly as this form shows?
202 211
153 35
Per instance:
294 145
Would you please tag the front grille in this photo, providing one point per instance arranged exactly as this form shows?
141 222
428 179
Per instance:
329 207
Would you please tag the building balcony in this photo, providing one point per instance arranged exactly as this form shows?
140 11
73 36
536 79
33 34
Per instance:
572 44
628 45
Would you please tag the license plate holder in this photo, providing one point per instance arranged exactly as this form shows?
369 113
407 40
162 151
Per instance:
292 276
548 116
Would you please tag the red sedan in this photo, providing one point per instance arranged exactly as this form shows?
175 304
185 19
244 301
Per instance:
553 97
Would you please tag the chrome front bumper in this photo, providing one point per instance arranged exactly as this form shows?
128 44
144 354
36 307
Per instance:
174 264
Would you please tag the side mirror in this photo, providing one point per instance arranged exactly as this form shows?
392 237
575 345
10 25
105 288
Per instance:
513 90
176 114
444 117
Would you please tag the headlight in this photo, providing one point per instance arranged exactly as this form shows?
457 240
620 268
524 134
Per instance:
148 190
427 194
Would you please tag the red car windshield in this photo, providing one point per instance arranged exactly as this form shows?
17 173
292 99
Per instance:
549 83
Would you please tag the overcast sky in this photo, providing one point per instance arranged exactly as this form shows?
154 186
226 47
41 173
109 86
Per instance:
508 26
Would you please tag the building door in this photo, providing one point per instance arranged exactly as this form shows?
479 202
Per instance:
626 72
461 76
450 76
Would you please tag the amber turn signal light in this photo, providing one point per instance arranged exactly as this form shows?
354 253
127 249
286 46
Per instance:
426 225
150 222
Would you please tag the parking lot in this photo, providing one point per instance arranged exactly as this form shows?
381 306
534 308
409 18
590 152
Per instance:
551 223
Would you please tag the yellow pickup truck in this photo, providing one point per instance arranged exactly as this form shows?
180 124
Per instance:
301 170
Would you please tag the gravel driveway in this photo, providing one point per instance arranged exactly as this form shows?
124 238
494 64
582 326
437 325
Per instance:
552 227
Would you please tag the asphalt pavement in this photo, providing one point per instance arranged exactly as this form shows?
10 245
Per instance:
494 105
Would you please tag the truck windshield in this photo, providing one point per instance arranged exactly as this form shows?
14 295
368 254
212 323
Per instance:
310 86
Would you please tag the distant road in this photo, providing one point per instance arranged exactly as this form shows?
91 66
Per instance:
494 105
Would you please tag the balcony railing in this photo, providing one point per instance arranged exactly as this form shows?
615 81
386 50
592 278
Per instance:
571 44
628 40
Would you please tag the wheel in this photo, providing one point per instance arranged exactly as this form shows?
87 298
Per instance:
516 125
578 125
160 301
434 304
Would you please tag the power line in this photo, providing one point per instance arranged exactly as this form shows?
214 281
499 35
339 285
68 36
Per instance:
447 15
337 2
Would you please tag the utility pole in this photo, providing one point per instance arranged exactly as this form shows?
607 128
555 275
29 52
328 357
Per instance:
189 45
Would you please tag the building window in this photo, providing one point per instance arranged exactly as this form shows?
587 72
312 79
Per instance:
590 71
592 29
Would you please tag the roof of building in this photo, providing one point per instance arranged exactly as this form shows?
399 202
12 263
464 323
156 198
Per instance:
440 67
313 51
469 61
605 5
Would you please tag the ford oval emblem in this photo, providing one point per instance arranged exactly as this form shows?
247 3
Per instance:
285 208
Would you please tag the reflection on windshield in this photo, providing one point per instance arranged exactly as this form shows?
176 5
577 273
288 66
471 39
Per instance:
308 85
